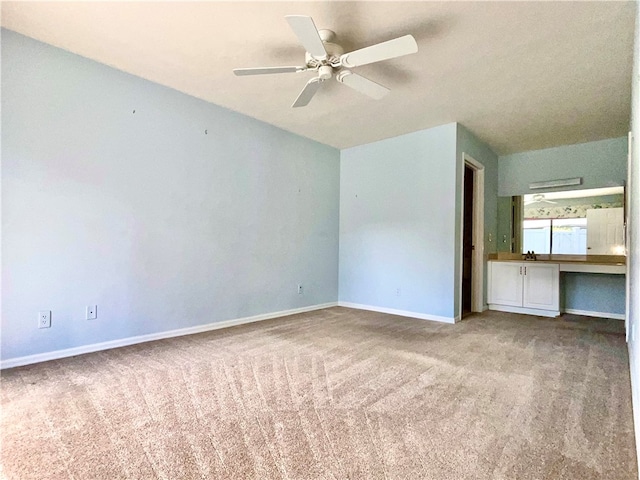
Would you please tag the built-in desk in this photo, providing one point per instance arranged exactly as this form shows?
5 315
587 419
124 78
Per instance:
593 268
533 286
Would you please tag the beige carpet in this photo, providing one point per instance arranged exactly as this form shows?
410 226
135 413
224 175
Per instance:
338 393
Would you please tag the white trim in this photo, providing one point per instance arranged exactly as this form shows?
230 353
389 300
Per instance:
402 313
477 263
587 313
635 393
627 243
523 310
123 342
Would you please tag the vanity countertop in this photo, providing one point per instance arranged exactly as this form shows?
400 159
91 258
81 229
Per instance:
608 260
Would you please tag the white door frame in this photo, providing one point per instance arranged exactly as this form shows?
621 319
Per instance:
627 243
477 256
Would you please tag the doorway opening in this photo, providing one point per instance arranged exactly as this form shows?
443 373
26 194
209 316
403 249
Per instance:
467 240
472 237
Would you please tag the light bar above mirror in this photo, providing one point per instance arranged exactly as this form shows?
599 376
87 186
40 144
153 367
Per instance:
566 182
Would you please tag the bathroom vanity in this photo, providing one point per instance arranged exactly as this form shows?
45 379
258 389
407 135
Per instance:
533 287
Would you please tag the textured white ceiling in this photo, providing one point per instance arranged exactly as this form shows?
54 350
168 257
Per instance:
520 75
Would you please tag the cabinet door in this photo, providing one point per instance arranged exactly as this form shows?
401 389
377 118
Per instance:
506 284
541 287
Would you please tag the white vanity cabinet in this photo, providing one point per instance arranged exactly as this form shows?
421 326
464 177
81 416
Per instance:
525 287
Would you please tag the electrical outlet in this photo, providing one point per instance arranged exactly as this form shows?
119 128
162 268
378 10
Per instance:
300 290
44 319
92 312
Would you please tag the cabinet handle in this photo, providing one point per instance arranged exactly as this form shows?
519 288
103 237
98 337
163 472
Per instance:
525 270
520 270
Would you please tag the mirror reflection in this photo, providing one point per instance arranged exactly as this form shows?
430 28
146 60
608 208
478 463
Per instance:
575 222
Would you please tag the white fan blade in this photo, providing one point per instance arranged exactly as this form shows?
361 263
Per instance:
362 84
307 92
542 200
267 70
381 51
307 33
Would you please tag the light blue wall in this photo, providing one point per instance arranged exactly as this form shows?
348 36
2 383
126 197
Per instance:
468 143
593 292
503 240
400 207
398 222
600 164
159 224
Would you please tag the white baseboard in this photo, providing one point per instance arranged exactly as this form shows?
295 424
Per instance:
587 313
402 313
635 394
123 342
525 311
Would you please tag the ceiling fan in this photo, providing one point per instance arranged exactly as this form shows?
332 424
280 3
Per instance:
539 198
329 59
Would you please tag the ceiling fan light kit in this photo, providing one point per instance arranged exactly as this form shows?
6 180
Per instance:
328 60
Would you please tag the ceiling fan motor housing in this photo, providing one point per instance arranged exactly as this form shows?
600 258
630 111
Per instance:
333 51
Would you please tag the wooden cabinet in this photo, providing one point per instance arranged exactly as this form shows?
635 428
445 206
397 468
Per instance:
525 287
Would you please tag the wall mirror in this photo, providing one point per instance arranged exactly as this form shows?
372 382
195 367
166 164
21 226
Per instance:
574 222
